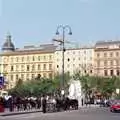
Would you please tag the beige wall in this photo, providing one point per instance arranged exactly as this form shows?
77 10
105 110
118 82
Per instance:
107 60
14 67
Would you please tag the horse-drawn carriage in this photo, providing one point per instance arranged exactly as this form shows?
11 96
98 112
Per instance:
62 105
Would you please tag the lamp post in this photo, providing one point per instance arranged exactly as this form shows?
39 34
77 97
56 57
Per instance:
63 29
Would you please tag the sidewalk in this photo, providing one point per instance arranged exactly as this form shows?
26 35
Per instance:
89 106
20 112
7 113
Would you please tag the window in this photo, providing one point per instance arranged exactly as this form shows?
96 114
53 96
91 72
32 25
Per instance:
91 71
33 76
16 77
16 59
28 58
11 59
98 63
111 54
44 57
117 54
79 58
44 74
50 75
39 76
117 62
68 59
105 72
17 67
33 67
27 76
11 77
50 57
105 63
12 68
22 59
38 58
111 62
105 54
44 67
38 67
111 72
33 58
117 72
84 52
50 66
22 67
57 66
28 67
98 54
73 59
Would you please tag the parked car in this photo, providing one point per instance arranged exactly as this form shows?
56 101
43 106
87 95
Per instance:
115 106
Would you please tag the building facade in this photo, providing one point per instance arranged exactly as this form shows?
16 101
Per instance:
80 60
26 63
45 61
107 58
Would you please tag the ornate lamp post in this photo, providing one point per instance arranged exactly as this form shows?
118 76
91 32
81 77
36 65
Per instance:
63 29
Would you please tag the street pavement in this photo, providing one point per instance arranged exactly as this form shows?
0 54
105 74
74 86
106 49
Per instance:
81 114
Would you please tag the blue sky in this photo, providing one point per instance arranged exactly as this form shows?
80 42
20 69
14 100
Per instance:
35 21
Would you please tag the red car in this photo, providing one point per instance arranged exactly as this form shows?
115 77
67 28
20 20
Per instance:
115 106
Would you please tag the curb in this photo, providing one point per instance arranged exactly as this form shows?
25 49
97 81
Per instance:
19 113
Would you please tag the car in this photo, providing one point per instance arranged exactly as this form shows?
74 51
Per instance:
115 106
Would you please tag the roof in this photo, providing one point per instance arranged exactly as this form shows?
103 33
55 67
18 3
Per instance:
99 43
8 45
31 50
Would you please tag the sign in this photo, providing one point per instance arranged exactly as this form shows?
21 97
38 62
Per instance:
1 80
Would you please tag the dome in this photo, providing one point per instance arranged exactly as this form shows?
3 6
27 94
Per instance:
8 45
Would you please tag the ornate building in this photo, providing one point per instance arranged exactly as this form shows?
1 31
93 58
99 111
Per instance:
26 63
79 60
107 58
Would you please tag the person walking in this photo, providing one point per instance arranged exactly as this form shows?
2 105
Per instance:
44 104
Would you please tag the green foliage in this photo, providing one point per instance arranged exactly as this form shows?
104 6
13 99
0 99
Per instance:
39 86
92 84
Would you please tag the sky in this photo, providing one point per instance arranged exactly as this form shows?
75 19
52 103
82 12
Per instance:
33 22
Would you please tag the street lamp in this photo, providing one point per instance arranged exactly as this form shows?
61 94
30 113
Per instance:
63 29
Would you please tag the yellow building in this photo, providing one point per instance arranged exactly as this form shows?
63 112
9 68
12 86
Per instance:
107 58
26 63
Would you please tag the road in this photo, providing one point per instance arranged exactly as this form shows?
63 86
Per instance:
81 114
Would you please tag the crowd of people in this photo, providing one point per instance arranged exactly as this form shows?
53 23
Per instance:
45 103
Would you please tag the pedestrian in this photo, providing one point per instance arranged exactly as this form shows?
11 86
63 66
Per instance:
44 104
10 103
82 101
